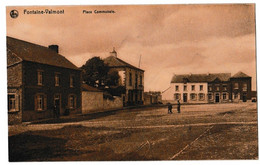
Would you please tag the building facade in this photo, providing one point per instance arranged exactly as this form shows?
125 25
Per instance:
152 97
209 88
131 77
38 79
240 85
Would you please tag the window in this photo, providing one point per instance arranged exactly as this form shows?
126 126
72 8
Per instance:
224 96
39 77
130 79
141 80
236 86
217 88
201 87
136 80
210 88
185 88
12 103
71 81
244 87
40 102
176 87
210 96
72 101
224 87
193 87
57 79
201 96
177 96
236 96
193 96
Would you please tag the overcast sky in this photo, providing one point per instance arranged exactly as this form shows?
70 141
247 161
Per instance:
170 38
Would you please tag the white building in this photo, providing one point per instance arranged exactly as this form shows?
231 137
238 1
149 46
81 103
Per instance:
195 88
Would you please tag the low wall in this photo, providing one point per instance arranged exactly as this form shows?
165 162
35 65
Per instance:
94 102
91 101
117 103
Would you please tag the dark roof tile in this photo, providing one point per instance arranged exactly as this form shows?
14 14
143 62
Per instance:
35 53
113 61
200 77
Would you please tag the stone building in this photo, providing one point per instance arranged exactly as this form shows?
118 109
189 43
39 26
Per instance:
131 77
38 78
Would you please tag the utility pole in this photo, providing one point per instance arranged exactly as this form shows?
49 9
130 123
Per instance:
140 60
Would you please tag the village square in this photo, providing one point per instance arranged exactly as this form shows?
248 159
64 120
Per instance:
151 95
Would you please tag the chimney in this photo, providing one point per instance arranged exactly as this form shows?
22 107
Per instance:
54 48
113 53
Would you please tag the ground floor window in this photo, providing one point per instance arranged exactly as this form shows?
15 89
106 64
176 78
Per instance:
210 96
224 96
40 102
177 96
236 96
72 101
12 103
193 96
201 96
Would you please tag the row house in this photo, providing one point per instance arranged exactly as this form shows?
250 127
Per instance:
131 77
189 88
210 88
39 78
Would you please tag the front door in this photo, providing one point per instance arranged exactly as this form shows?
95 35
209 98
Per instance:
57 100
244 97
217 98
184 97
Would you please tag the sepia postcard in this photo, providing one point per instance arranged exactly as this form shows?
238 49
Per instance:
131 82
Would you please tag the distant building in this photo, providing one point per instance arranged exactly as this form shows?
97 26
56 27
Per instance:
209 88
152 97
219 88
131 77
240 87
39 78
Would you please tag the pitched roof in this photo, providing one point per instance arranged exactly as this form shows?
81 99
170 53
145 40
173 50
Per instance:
113 61
200 77
86 87
240 75
35 53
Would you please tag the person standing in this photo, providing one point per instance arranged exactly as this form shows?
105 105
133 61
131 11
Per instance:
179 107
169 108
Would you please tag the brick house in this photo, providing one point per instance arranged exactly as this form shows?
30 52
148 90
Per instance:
39 78
219 88
240 85
131 77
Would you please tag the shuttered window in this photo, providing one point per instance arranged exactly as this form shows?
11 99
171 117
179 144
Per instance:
72 100
40 102
13 102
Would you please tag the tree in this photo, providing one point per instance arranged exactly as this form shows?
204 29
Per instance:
95 72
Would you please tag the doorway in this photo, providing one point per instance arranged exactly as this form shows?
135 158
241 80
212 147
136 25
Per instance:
244 97
184 97
57 103
217 98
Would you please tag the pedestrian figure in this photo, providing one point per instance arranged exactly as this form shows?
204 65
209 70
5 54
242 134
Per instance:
169 108
179 107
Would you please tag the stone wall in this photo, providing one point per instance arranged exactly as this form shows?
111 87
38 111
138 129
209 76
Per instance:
94 102
91 101
117 103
